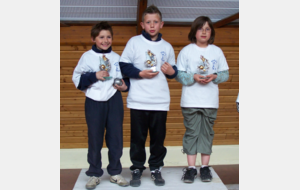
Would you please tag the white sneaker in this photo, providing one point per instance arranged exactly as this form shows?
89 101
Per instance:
118 179
92 182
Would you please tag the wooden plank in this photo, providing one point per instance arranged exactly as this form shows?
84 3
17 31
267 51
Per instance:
172 113
147 144
174 99
232 136
86 48
127 138
66 55
67 70
169 131
80 35
126 132
173 92
175 35
221 111
234 78
174 107
177 49
172 85
217 137
71 63
170 120
170 127
234 49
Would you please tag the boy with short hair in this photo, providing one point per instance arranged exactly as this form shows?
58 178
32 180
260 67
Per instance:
148 61
103 104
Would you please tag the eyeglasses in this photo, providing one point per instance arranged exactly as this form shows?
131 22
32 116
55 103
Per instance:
206 30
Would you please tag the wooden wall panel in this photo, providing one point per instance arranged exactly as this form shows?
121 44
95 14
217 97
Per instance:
75 40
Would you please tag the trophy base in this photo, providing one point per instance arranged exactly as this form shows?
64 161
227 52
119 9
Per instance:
107 78
203 77
153 69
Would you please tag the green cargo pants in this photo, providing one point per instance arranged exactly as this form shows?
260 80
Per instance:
199 134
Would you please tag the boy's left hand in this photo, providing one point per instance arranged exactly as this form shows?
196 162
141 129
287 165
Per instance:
209 78
121 88
167 69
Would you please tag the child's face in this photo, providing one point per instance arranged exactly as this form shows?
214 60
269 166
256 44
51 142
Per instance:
152 24
103 40
203 35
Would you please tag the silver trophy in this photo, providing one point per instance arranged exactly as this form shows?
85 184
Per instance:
105 66
151 61
118 81
203 67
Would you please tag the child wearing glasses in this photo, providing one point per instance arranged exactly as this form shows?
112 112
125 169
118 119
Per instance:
201 67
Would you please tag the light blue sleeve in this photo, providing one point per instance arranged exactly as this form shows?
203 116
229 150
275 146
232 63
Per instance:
222 77
185 78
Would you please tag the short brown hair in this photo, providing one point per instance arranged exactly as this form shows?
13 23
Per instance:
151 10
198 24
100 26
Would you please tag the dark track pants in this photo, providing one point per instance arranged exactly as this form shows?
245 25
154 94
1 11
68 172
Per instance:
100 116
141 121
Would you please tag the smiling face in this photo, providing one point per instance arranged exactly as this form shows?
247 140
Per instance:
203 35
152 24
103 40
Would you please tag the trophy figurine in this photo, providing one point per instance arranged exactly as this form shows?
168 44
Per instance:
203 67
151 61
118 81
105 66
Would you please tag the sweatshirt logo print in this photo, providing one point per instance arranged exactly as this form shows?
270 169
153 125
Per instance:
163 57
214 66
117 66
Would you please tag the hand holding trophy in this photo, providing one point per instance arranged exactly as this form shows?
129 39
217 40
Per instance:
105 66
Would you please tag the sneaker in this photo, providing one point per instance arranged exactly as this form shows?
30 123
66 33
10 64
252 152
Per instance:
92 182
118 179
205 174
189 174
135 178
156 177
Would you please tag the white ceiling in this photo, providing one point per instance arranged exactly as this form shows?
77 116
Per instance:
126 10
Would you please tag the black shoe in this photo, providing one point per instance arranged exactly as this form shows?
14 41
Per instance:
135 178
189 174
156 177
205 174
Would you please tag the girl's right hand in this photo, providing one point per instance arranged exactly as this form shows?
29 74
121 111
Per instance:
200 79
101 74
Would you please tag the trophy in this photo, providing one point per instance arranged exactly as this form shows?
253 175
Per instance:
105 66
203 67
118 81
151 61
